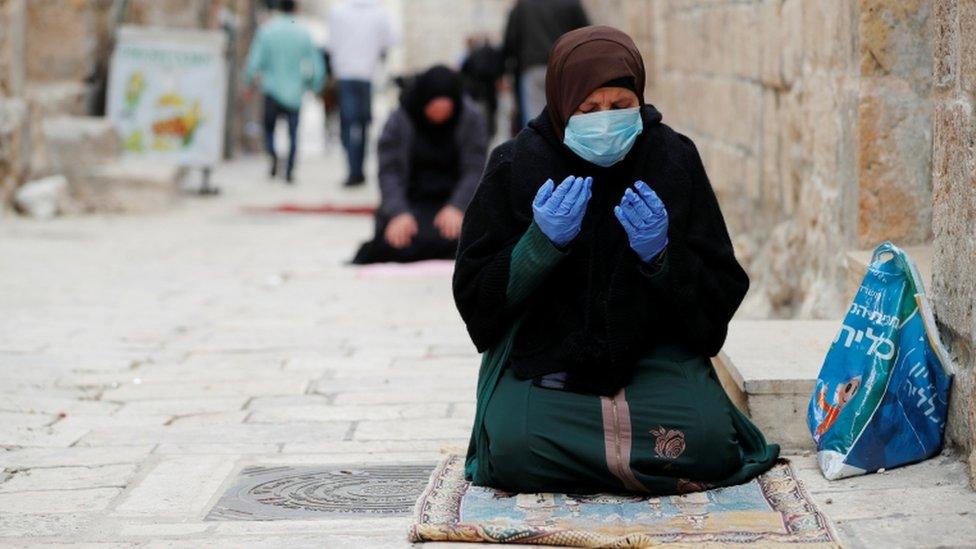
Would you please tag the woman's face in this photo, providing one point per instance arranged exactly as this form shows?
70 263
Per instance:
439 110
605 99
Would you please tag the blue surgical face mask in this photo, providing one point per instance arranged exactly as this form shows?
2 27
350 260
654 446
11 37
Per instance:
603 138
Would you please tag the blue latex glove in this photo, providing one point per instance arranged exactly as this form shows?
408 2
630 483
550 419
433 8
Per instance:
645 219
559 213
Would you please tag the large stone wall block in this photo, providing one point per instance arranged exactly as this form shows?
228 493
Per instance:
894 163
792 46
953 122
626 15
945 42
12 68
794 163
171 13
825 130
819 220
66 39
744 28
716 39
844 39
685 42
818 33
644 16
733 110
961 425
732 172
772 37
954 213
967 46
772 182
895 38
665 90
682 115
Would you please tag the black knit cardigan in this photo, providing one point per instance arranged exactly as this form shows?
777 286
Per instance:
601 308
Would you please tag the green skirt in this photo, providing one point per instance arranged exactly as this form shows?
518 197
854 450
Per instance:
672 430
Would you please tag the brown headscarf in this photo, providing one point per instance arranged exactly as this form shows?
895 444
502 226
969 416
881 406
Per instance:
582 61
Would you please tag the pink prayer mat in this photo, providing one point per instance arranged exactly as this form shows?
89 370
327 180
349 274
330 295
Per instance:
335 209
421 269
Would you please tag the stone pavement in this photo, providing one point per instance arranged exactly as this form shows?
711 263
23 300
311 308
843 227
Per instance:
146 361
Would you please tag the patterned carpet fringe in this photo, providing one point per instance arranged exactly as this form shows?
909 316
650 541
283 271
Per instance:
773 510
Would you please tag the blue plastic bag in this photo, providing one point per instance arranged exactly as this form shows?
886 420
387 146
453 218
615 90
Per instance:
882 395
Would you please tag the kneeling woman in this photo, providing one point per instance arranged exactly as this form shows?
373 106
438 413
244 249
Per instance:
431 155
596 273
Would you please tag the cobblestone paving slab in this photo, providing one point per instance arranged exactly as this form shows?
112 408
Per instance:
292 493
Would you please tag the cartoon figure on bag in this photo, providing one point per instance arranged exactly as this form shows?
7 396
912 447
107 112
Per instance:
842 395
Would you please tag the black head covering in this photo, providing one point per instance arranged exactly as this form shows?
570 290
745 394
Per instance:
437 81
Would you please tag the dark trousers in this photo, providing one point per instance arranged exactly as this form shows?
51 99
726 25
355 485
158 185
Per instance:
675 428
273 110
355 113
426 244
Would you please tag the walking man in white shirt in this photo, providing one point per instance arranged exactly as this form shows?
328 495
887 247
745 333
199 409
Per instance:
360 33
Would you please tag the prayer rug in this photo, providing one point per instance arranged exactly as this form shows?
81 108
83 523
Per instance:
340 209
770 511
418 269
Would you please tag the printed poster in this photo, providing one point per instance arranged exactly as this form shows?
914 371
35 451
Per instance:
167 94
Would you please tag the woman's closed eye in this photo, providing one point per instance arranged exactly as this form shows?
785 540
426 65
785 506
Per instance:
625 103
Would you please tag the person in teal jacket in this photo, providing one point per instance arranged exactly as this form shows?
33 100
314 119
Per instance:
283 56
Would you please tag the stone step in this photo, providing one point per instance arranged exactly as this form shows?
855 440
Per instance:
769 367
68 98
77 143
129 185
53 100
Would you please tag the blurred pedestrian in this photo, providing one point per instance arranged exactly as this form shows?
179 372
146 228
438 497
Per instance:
482 68
533 27
360 34
431 155
283 57
330 103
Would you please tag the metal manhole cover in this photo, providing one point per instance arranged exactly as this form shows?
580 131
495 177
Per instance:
280 493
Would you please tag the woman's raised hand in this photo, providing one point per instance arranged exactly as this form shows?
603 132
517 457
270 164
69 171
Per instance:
401 230
448 221
558 211
645 219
